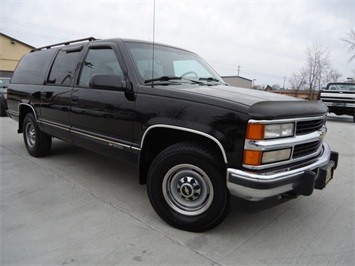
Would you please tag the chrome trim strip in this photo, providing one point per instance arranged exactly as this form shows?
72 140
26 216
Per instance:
135 148
337 94
13 112
331 104
187 130
110 143
26 104
54 124
276 144
277 121
113 144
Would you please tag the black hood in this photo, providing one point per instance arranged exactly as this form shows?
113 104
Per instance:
257 104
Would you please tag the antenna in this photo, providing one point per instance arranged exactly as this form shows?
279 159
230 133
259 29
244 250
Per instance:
153 43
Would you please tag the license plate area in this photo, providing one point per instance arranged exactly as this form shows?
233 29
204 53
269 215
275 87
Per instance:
325 174
330 172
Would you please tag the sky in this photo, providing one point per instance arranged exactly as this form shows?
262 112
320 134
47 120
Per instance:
265 40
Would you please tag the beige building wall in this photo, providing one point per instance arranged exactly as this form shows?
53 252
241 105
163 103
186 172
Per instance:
11 51
238 81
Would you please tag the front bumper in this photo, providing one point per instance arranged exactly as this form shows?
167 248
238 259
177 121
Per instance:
301 181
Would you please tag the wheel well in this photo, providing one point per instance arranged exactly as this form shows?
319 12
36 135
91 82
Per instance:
159 139
24 110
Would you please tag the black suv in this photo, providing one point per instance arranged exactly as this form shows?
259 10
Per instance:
195 139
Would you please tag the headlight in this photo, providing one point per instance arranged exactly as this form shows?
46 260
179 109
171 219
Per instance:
270 131
279 130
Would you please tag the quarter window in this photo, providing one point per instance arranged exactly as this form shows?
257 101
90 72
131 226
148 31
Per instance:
31 68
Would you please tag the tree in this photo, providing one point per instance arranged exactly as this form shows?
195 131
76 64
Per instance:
298 81
350 40
317 71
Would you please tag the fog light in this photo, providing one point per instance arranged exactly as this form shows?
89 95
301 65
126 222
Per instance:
276 156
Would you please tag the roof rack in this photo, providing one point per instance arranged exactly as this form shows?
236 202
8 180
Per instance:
66 43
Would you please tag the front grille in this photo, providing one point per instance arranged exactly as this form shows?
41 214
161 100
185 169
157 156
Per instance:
306 149
309 126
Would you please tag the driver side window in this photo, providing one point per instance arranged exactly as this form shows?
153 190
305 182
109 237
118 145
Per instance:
99 61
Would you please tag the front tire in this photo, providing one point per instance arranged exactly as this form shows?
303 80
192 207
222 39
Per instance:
186 187
38 143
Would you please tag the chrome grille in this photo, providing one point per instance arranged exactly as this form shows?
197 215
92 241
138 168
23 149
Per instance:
309 126
302 150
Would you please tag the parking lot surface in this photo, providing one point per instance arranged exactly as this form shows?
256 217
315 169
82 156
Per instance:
76 207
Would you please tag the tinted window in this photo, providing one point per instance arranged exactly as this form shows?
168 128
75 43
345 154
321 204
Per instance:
31 68
99 61
63 68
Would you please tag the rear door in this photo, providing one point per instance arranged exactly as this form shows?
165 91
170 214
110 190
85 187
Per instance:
56 93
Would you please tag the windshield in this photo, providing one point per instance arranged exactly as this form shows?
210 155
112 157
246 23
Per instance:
171 65
341 87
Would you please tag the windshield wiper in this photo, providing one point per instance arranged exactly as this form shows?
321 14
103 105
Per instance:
210 79
162 78
171 78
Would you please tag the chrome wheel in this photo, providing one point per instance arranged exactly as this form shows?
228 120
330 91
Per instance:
30 133
37 143
187 189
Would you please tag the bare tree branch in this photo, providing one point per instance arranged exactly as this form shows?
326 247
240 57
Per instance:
350 40
316 73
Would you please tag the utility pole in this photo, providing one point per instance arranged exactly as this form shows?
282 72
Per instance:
238 70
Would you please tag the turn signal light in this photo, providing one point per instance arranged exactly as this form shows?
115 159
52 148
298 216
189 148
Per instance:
252 157
255 131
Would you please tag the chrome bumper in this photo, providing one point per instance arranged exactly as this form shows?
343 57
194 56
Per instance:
254 187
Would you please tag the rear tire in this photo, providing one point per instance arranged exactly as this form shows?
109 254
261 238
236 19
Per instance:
186 187
38 143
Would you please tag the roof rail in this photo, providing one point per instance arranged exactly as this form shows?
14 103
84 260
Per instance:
65 43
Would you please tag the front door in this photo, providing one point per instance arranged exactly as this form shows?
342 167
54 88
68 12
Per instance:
101 118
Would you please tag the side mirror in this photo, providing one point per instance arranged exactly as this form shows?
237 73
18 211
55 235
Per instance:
107 82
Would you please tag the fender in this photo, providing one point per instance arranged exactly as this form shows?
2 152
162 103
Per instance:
21 115
186 130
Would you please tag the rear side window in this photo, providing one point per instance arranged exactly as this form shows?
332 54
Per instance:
63 68
31 68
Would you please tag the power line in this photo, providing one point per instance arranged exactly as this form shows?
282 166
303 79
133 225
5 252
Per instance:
32 26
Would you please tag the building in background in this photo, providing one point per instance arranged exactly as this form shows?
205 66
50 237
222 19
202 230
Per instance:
238 81
11 51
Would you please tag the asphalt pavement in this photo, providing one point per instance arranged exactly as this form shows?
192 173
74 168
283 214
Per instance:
76 207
